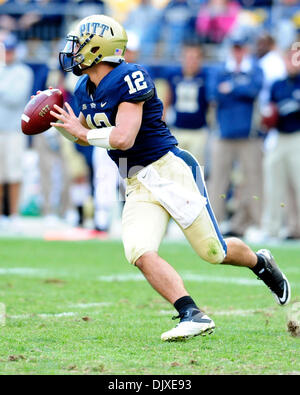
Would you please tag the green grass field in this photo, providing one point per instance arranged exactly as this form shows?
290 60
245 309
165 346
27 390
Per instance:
80 308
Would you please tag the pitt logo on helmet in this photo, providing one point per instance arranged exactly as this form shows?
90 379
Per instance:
95 39
93 28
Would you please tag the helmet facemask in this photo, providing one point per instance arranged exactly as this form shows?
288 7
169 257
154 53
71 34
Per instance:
71 57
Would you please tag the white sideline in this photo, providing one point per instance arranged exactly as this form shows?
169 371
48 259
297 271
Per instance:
185 276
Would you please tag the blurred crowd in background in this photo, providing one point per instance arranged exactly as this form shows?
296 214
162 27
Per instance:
228 73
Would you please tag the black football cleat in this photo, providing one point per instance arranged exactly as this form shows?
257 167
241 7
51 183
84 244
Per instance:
274 279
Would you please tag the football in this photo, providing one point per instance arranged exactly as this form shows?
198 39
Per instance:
36 117
269 117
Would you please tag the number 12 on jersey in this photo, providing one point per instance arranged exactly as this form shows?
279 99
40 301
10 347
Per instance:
136 82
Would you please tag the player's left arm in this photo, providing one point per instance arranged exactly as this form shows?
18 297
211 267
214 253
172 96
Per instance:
122 136
128 123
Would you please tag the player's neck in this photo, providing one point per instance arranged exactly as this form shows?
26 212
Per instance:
98 72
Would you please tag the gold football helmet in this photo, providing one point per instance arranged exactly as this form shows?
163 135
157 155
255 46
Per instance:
95 39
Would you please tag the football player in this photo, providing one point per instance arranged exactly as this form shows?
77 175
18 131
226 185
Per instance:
120 111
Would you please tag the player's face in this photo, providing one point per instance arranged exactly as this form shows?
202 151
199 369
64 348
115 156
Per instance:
192 60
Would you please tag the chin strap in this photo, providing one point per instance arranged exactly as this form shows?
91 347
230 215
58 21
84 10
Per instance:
77 70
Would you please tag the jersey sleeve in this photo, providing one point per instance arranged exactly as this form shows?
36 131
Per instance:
136 86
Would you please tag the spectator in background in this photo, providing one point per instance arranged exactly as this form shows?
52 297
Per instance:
102 176
106 181
285 23
145 22
31 19
16 80
54 176
85 8
216 20
175 21
80 189
119 9
271 63
133 47
282 159
237 87
187 99
256 3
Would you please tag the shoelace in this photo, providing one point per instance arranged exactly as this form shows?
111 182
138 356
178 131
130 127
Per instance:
180 315
175 317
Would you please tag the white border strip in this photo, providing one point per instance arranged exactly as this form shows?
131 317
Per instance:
199 278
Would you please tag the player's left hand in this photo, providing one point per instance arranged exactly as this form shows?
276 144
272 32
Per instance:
69 122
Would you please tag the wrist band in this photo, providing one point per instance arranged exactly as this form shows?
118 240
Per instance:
100 137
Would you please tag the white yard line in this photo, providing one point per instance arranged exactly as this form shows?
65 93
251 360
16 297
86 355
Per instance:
42 315
63 314
58 315
88 305
122 278
20 316
199 278
23 271
238 312
136 277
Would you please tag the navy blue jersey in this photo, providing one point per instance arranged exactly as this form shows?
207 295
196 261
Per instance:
188 99
127 83
286 95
